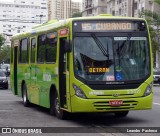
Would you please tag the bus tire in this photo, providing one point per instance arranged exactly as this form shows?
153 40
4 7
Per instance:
26 102
56 110
6 87
121 113
52 109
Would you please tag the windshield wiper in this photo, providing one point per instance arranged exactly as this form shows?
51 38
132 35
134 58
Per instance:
127 40
119 49
100 45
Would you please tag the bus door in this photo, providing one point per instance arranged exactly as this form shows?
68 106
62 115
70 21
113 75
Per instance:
15 70
32 87
15 63
63 74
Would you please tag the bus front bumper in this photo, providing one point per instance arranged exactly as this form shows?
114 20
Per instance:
102 105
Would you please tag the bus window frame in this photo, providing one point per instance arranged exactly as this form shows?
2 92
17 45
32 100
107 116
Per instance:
53 31
20 49
31 38
37 53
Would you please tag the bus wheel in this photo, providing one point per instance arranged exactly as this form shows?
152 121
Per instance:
26 102
121 113
6 87
61 114
52 109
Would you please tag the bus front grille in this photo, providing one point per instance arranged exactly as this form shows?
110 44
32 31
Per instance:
106 106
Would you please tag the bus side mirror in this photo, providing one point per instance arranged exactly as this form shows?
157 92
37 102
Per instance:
68 46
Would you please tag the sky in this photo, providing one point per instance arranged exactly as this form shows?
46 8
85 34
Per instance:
13 0
77 0
7 0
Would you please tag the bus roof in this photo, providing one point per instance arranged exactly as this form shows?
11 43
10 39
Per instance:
53 24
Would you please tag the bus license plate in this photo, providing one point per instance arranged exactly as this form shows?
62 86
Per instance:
115 102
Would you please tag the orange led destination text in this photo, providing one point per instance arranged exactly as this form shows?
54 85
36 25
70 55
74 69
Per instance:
106 26
98 70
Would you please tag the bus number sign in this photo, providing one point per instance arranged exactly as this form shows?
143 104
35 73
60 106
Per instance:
16 43
63 32
115 102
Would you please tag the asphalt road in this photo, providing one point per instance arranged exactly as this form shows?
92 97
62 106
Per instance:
14 114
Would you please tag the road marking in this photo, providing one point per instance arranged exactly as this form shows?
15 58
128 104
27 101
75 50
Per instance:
156 103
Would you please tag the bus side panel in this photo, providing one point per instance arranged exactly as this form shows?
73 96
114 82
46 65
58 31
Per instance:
23 74
45 79
35 91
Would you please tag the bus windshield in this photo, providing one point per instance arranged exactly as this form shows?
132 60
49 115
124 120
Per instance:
106 58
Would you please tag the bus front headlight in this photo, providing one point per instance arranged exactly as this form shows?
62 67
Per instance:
148 90
79 92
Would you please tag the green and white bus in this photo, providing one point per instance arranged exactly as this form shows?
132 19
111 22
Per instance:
88 64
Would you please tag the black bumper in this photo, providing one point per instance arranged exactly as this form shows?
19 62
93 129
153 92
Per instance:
156 81
3 85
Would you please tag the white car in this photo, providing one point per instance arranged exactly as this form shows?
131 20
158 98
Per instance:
6 68
3 80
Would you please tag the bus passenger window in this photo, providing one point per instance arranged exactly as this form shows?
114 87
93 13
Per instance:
23 51
51 47
33 47
41 53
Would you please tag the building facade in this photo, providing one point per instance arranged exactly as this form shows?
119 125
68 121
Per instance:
94 7
62 9
130 7
119 7
21 15
76 7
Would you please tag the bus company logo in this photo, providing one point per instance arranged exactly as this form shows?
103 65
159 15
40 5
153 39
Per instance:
6 130
96 93
116 95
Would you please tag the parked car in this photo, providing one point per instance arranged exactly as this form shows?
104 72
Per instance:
3 80
156 76
6 68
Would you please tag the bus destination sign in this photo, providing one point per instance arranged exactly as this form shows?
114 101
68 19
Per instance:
109 26
106 26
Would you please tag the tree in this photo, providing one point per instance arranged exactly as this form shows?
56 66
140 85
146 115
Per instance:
78 14
2 40
4 51
157 1
153 19
5 54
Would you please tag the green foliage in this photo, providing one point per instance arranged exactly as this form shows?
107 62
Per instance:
4 51
2 40
157 1
77 14
5 54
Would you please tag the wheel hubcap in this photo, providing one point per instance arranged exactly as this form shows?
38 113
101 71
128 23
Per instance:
24 96
57 106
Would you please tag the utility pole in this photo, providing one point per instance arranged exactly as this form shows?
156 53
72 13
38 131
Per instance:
133 8
70 9
40 18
